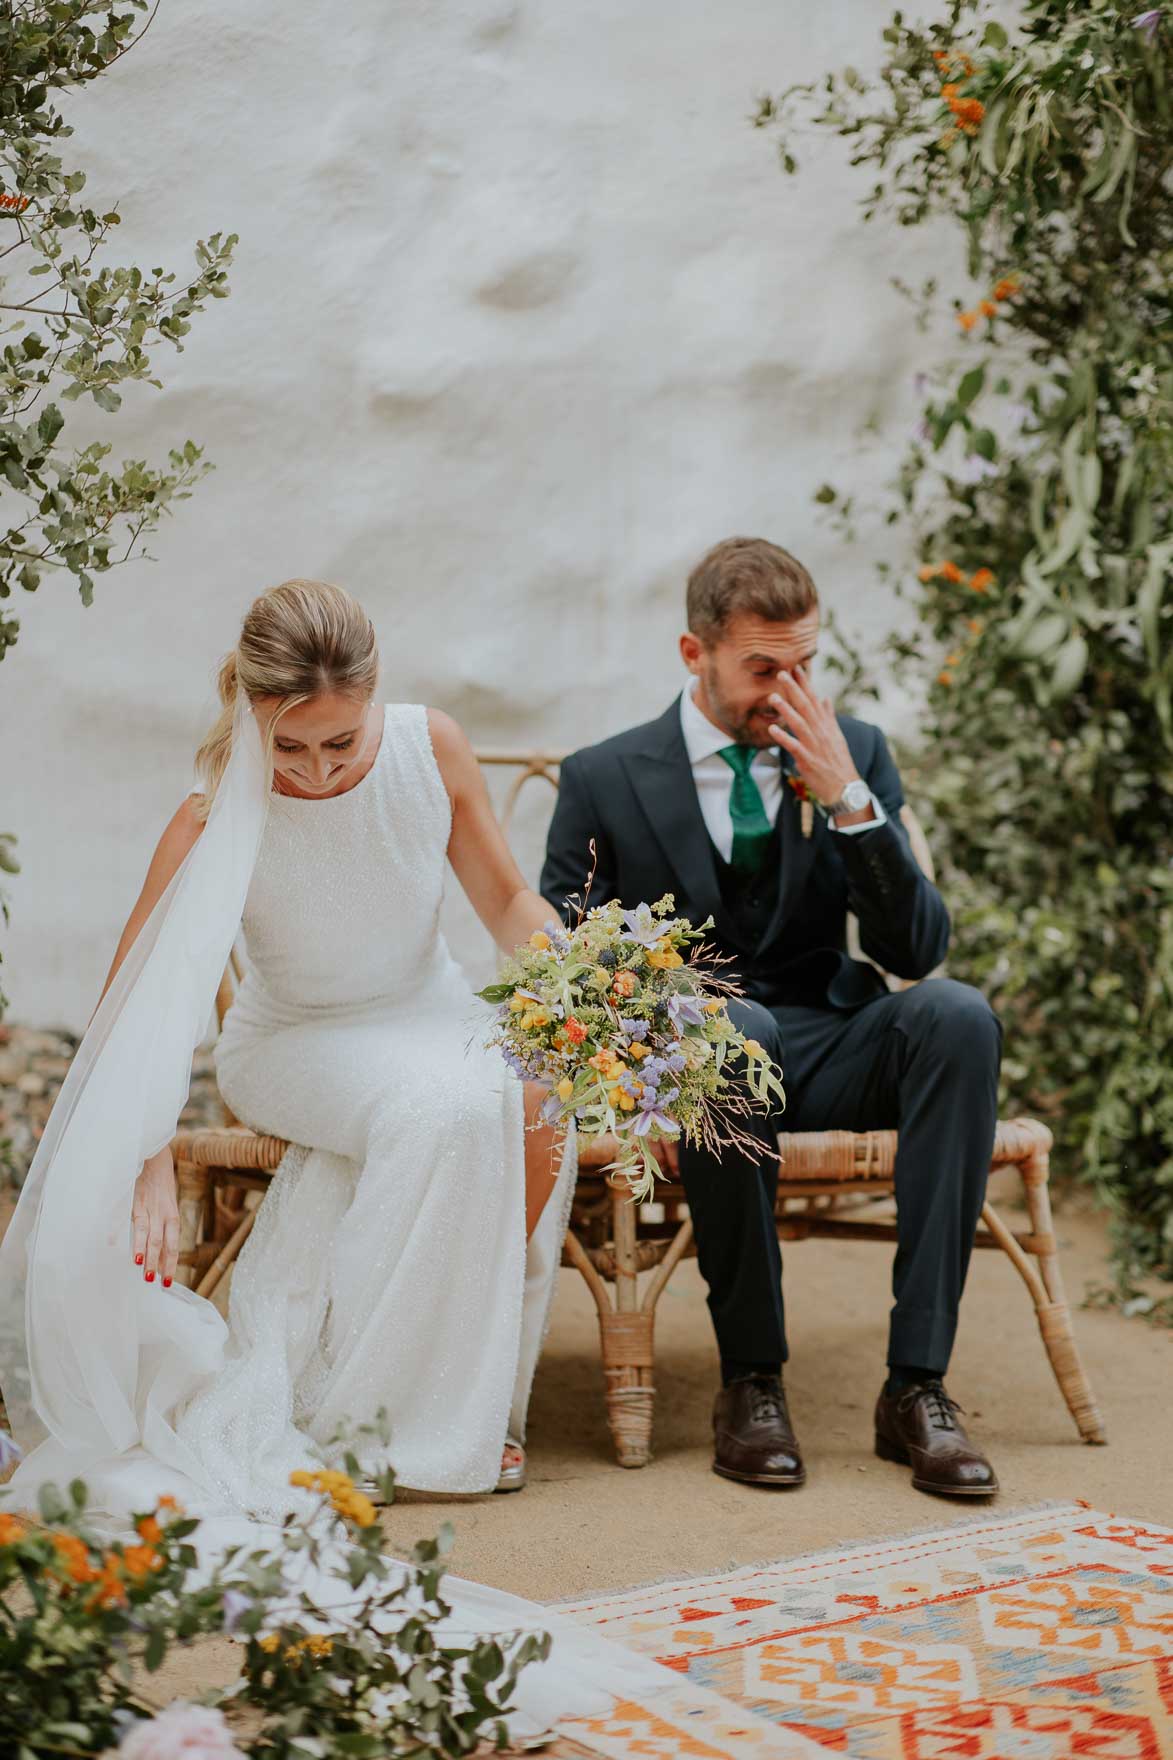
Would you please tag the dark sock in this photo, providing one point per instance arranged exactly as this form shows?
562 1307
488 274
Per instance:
902 1376
734 1371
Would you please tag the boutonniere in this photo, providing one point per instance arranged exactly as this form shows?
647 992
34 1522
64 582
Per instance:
806 802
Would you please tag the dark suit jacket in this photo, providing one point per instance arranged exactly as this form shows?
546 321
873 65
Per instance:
635 796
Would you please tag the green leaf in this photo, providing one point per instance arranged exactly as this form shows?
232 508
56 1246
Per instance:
1069 667
107 398
155 1649
970 385
984 443
50 424
994 36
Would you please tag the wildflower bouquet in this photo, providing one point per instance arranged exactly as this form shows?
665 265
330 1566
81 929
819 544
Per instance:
625 1017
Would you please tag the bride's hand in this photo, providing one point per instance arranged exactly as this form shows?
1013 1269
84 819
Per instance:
155 1213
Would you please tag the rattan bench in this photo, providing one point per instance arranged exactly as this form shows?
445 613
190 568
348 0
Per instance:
626 1253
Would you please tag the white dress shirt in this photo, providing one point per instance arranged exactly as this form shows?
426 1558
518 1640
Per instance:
714 779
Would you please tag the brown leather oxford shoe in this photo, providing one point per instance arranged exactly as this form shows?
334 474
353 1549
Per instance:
753 1435
918 1427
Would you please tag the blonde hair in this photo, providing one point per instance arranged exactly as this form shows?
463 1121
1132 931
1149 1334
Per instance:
301 640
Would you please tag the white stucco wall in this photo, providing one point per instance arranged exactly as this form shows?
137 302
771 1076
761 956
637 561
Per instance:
524 317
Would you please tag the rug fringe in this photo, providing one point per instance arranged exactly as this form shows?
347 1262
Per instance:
835 1554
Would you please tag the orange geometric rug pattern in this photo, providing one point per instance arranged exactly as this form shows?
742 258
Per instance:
1043 1634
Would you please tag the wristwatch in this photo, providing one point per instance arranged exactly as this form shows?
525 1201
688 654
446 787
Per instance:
855 797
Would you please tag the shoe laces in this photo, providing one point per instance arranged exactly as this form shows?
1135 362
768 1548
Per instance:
767 1401
941 1408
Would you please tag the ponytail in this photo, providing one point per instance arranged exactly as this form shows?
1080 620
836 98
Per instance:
216 748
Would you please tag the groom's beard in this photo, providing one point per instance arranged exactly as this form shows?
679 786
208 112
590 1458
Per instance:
747 727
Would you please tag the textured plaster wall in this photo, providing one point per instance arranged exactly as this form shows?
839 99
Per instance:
524 317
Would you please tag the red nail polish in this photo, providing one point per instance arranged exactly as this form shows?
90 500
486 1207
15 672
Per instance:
138 1258
150 1277
166 1283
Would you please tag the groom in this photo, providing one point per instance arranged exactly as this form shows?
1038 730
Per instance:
704 802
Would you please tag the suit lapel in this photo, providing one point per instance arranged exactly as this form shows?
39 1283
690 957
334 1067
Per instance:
661 776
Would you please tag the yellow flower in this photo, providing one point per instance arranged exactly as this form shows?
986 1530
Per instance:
565 1088
753 1049
715 1006
626 1102
302 1478
540 940
517 1003
537 1017
664 959
639 1051
270 1643
318 1645
356 1508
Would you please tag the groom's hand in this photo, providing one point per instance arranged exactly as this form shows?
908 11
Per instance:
808 730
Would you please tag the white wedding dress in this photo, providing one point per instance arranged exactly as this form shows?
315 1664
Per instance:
388 1265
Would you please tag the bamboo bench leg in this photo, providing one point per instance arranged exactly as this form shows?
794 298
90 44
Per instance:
1047 1294
1055 1315
628 1346
192 1187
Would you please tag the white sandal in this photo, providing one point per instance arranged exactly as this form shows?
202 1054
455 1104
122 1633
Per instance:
512 1471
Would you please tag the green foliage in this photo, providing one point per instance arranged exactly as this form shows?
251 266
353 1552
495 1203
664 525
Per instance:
1038 491
84 1623
74 328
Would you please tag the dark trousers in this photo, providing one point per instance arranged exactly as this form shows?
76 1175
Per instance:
923 1061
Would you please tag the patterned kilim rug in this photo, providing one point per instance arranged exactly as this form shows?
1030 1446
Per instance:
1042 1634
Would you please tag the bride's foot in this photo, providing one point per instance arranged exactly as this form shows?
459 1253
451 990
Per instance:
512 1467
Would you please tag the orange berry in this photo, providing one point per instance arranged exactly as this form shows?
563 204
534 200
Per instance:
988 309
950 571
149 1530
967 320
1007 287
981 580
944 678
929 572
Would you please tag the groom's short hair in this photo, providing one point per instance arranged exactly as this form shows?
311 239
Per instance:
747 575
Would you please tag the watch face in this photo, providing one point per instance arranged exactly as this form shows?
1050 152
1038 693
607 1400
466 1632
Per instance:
857 795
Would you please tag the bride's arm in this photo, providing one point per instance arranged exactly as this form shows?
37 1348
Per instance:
154 1209
170 851
481 858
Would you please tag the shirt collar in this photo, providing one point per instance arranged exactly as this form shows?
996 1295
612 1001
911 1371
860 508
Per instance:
702 738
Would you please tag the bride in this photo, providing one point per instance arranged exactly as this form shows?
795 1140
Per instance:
404 1257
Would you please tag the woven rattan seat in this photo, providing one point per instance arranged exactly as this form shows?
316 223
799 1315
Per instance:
828 1185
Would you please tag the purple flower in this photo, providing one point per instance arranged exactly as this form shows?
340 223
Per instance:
10 1451
685 1011
653 1116
676 1063
635 1030
642 927
1148 22
558 936
551 1109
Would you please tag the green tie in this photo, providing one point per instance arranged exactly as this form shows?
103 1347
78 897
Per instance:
751 827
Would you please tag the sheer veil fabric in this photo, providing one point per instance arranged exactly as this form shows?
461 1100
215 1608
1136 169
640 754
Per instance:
93 1360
